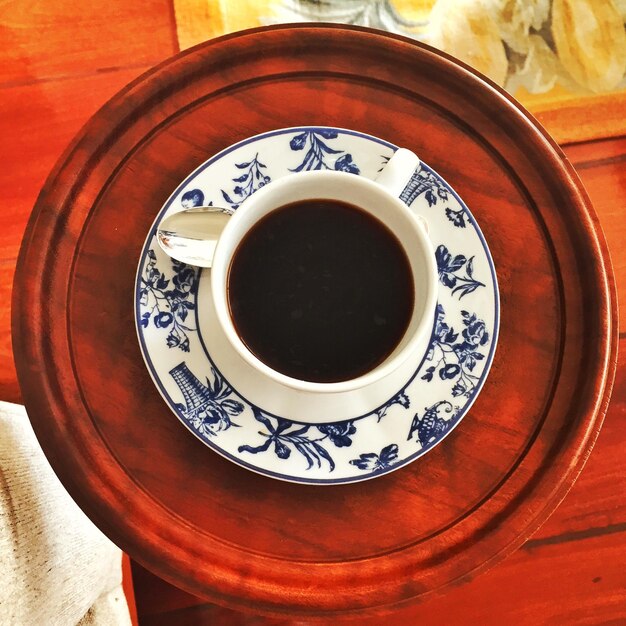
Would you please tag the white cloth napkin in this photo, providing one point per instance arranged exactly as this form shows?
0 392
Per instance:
56 567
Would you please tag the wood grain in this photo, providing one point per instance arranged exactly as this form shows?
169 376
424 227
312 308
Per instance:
605 180
39 47
212 615
596 502
522 591
582 118
587 531
588 154
527 584
129 589
53 40
315 553
154 596
61 62
37 124
590 572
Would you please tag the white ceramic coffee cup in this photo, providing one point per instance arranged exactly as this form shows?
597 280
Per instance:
379 198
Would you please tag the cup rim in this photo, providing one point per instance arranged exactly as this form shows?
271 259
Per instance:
219 287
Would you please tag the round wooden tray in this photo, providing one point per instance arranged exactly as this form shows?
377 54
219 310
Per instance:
251 542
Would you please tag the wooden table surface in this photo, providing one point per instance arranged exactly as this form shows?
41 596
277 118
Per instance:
62 61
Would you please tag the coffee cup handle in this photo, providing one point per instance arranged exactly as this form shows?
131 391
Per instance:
398 173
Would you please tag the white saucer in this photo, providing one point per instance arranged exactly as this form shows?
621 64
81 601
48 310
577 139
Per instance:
179 336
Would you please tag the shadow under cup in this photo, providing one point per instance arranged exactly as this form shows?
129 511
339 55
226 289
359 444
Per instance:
324 281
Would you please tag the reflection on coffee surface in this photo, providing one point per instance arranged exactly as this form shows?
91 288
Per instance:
320 290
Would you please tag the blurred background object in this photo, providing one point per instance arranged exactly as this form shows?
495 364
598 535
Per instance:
559 58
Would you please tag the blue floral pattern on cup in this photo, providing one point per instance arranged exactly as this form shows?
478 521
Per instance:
444 385
250 179
284 436
167 299
376 462
449 268
319 154
454 356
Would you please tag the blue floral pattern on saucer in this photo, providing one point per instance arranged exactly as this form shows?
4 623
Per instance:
415 418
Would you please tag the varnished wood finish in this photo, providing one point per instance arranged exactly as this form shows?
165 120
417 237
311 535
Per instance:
43 41
605 178
581 118
60 62
593 512
129 589
251 542
570 572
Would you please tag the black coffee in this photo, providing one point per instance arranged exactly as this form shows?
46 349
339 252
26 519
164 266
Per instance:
320 290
